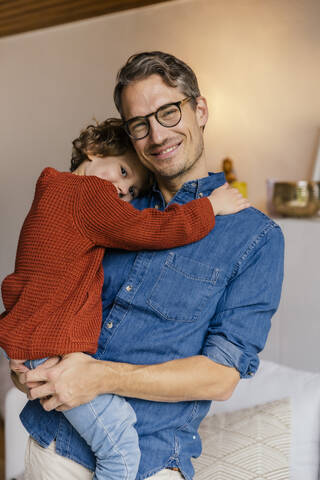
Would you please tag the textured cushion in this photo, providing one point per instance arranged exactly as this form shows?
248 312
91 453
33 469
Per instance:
248 444
274 382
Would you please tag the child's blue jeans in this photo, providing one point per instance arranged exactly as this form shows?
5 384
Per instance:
107 425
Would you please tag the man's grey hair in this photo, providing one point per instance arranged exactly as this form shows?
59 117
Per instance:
174 72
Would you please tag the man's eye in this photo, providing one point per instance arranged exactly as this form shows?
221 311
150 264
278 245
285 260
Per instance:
168 113
138 127
124 172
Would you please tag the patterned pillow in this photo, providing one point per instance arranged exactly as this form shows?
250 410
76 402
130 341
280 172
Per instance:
248 444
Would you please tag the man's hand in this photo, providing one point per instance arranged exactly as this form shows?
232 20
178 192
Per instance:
78 378
18 377
72 381
18 366
17 383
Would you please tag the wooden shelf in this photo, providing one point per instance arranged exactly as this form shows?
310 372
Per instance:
18 16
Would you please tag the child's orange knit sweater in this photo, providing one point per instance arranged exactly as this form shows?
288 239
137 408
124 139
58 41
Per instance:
53 298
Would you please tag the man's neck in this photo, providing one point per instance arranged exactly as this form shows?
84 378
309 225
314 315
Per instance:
169 190
169 187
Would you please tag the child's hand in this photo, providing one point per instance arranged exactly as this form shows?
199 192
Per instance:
226 200
18 366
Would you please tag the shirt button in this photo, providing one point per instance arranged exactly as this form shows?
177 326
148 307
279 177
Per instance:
109 325
200 194
156 206
194 437
250 373
128 288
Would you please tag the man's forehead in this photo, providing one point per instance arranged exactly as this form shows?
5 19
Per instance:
147 95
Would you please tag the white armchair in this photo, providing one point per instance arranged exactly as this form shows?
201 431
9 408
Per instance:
15 435
295 423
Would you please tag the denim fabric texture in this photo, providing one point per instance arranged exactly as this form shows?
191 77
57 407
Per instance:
31 364
214 297
107 425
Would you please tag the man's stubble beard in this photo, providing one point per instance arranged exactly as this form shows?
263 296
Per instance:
186 167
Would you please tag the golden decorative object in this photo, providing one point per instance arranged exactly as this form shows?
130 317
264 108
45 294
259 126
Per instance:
296 199
241 186
227 166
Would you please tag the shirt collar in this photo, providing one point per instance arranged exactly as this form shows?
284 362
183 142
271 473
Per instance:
203 185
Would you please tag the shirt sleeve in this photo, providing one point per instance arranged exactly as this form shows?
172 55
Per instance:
110 222
239 329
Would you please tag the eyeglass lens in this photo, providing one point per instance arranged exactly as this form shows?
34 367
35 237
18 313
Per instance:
167 116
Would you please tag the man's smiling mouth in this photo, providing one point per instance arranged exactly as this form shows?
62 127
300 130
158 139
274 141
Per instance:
165 152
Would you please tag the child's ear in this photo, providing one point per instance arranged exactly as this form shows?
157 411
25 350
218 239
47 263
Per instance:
202 111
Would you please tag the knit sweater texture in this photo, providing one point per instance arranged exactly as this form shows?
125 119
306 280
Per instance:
53 299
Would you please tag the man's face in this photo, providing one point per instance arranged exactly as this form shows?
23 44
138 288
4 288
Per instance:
168 152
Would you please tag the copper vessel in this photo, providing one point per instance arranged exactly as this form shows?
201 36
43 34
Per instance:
296 199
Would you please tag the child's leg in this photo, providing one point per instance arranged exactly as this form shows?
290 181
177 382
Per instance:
106 424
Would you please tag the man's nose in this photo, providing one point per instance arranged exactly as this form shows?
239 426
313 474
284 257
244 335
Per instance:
158 133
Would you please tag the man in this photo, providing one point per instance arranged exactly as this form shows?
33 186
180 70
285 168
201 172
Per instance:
180 327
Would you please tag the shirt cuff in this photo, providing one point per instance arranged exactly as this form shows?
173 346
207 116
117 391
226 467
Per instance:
222 351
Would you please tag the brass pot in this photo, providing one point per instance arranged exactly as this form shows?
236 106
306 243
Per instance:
296 199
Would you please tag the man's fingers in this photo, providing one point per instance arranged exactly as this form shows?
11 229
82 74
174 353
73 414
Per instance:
50 403
57 386
51 362
42 391
39 374
62 408
33 384
18 366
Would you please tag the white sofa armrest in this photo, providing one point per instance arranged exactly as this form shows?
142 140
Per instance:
15 434
274 382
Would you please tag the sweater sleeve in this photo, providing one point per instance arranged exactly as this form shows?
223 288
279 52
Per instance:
110 222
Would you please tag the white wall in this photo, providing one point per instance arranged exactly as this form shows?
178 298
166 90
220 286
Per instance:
257 62
295 332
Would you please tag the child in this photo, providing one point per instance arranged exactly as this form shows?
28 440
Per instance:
52 300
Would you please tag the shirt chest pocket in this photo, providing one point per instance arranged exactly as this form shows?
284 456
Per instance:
183 288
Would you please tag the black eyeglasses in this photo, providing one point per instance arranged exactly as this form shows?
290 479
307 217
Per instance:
168 115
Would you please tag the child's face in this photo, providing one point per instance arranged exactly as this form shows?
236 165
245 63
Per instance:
125 172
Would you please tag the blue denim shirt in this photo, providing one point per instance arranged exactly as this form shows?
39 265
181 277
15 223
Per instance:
214 297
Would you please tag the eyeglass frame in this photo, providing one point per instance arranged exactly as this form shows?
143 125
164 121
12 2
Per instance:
146 117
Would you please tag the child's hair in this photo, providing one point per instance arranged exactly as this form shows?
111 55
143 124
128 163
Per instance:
107 138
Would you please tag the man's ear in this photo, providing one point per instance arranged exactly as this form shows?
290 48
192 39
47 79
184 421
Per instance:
202 111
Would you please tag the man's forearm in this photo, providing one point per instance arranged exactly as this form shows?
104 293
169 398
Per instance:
78 378
193 378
